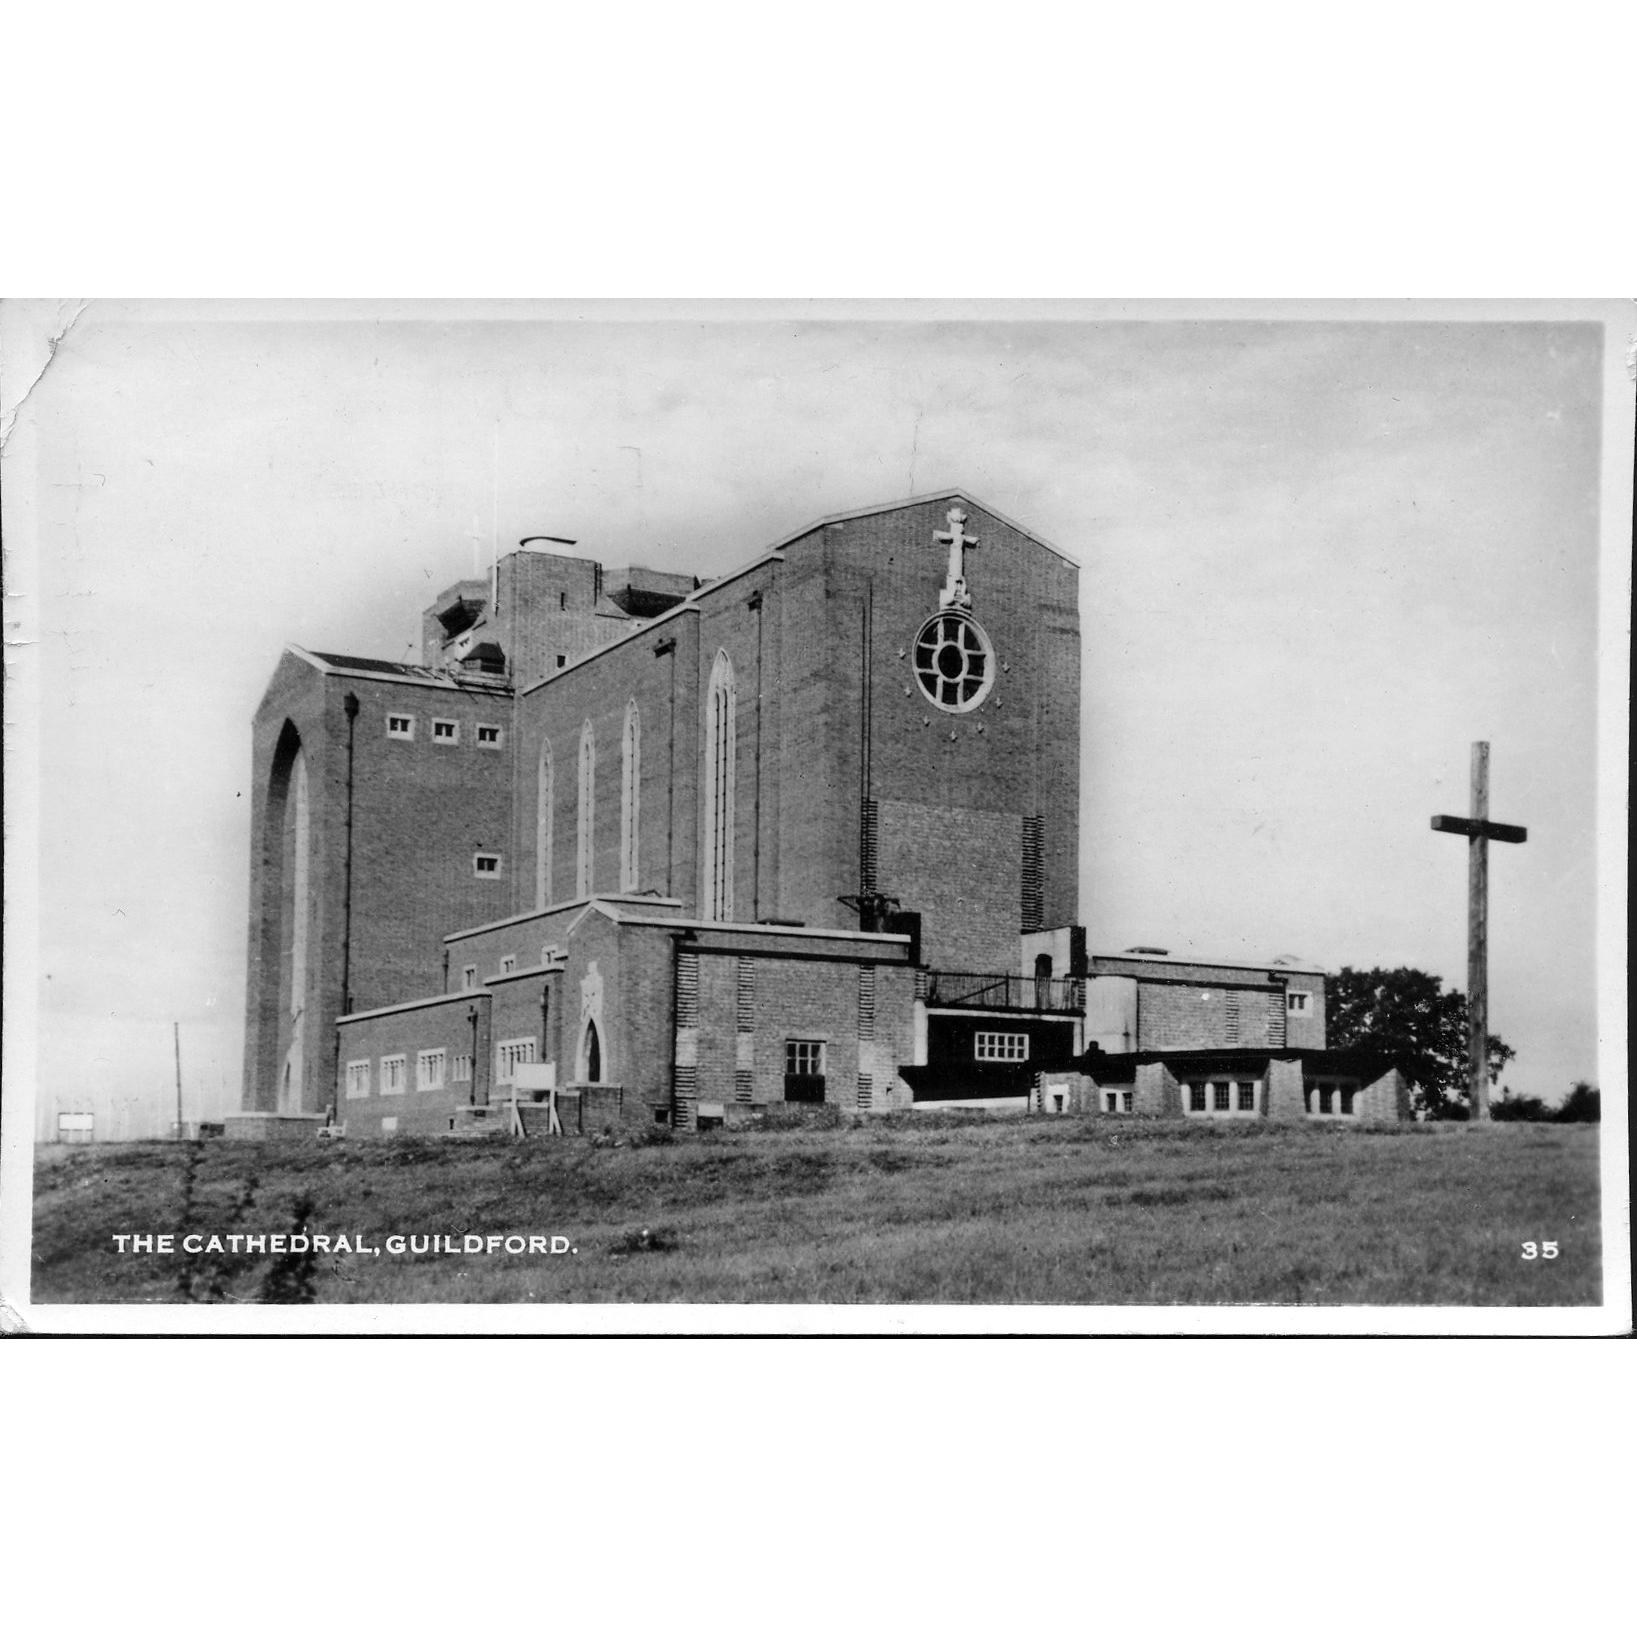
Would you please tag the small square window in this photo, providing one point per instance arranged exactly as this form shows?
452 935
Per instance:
488 736
804 1057
486 864
1296 1000
400 727
445 732
562 660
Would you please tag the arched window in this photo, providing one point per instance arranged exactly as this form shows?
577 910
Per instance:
720 733
545 802
301 826
585 845
591 1055
630 797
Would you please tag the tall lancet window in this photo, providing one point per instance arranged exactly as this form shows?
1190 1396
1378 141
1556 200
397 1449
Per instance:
301 825
585 845
630 797
720 735
545 804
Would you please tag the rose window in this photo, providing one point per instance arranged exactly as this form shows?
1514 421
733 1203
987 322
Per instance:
954 663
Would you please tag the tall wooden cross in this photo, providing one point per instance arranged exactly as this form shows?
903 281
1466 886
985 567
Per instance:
1479 832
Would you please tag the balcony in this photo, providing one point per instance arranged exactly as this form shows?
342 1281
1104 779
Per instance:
986 992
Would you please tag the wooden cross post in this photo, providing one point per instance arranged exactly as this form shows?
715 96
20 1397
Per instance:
1479 832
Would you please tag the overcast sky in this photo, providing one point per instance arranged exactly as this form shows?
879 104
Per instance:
1319 558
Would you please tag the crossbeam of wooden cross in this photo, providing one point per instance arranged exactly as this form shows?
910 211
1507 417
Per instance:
1479 830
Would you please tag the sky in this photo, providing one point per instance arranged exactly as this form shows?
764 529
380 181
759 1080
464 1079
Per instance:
1322 552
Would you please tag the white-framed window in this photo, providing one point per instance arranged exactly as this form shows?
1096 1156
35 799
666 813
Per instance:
1331 1096
429 1069
630 796
804 1057
445 731
1297 1000
489 736
400 726
508 963
508 1054
460 1071
1118 1102
1221 1098
486 864
468 977
721 751
954 662
995 1046
585 837
358 1077
393 1075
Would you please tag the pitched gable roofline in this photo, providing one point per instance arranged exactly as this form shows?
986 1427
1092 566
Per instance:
922 500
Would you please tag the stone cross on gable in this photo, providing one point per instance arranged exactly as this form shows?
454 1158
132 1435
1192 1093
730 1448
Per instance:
954 593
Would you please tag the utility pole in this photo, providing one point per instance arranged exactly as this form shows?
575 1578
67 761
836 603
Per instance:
1479 832
176 1028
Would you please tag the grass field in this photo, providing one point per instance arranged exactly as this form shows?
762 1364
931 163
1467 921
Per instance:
911 1208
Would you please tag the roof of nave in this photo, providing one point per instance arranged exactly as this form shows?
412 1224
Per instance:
421 675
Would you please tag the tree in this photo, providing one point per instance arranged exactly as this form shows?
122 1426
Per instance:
1585 1102
1409 1016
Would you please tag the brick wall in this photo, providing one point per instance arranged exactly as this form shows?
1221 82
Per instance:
421 810
445 1025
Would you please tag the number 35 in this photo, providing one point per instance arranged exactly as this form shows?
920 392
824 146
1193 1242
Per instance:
1546 1250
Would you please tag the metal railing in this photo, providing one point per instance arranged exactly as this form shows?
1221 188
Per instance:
1000 992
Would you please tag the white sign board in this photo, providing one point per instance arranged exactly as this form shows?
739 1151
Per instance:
535 1076
76 1122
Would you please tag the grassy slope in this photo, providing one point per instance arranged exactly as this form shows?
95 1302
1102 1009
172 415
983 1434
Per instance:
919 1208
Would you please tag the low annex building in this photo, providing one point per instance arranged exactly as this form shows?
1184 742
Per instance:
808 833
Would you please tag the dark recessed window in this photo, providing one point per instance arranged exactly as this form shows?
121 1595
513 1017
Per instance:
445 732
400 727
486 864
488 736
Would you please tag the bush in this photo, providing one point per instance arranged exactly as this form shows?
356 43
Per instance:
1509 1107
1583 1104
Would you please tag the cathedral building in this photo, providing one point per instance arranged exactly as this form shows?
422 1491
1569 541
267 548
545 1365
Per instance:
639 849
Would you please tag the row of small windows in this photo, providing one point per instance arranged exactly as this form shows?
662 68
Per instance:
508 964
433 1070
446 731
990 1046
1220 1096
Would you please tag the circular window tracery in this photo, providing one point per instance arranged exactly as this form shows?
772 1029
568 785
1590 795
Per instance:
954 662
